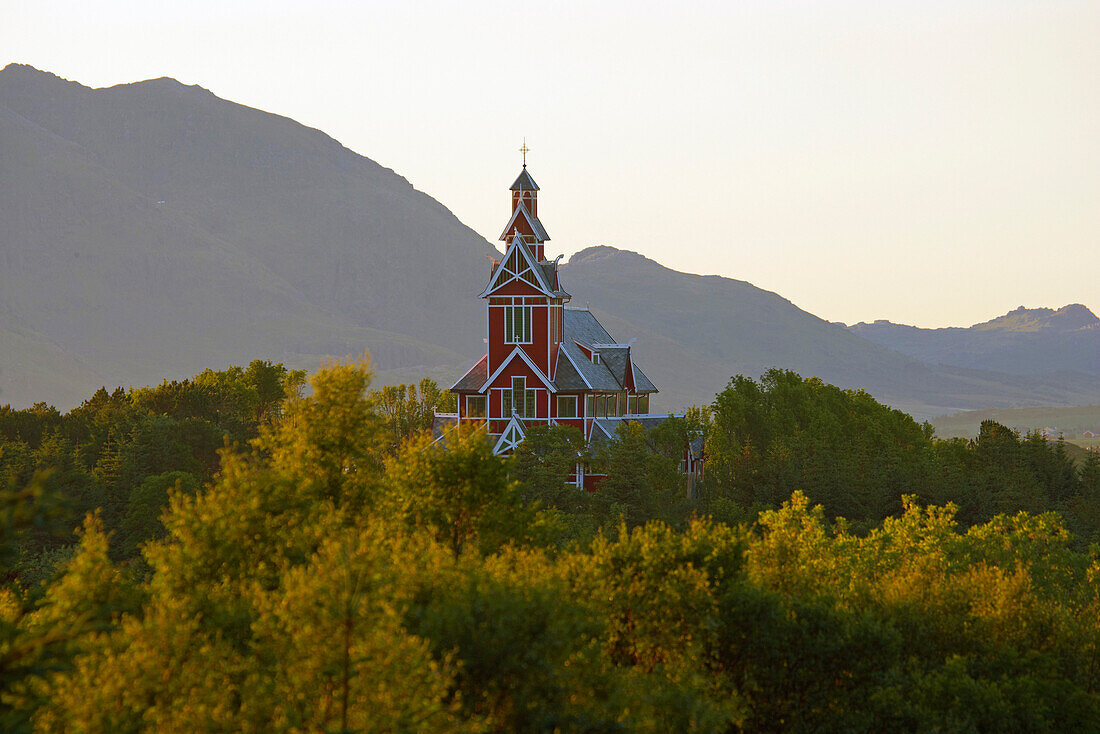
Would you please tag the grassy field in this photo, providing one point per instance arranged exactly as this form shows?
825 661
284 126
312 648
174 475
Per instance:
1072 422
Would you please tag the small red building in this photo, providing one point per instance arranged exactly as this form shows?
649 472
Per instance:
545 361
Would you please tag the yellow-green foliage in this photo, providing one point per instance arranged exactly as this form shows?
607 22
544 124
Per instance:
320 583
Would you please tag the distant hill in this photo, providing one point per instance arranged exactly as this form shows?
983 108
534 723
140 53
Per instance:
1022 341
152 230
694 332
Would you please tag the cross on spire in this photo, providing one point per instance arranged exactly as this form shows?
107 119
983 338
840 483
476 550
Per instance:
525 150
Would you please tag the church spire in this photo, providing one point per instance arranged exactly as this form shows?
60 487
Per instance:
524 190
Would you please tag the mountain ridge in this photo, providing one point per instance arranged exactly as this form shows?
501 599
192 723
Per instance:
157 230
780 335
1024 340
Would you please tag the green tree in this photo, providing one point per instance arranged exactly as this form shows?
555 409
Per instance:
457 489
409 410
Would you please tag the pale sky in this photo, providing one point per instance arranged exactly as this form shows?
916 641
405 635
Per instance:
932 163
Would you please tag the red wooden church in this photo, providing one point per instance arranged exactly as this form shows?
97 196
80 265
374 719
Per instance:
546 361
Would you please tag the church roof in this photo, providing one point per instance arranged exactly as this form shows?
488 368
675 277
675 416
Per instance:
593 376
566 376
474 378
581 325
536 226
440 423
610 374
641 382
524 182
616 359
550 274
518 351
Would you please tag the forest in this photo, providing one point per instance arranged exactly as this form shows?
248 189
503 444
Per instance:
248 551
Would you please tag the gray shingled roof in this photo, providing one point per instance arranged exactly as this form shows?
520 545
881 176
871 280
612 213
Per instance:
610 374
475 378
566 377
615 358
524 182
641 382
550 272
581 325
598 376
536 225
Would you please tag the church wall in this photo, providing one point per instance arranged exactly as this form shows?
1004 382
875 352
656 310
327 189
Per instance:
518 368
540 334
518 288
498 351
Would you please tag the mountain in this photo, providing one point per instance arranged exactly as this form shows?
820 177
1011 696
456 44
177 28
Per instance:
694 332
1034 340
152 230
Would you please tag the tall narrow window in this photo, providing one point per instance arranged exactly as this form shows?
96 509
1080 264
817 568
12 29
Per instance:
517 324
632 405
590 406
518 385
520 399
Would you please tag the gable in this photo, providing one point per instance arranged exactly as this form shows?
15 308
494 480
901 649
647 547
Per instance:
511 437
526 367
518 266
526 223
595 376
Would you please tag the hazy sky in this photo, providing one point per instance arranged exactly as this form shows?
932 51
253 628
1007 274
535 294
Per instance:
933 163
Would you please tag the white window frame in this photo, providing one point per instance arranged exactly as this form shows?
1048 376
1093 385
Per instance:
484 403
523 334
530 394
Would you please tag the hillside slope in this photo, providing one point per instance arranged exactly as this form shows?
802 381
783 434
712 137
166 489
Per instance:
152 230
694 332
1022 341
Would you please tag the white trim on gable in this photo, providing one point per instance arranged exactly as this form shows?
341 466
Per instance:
584 347
532 221
530 363
596 424
496 280
511 437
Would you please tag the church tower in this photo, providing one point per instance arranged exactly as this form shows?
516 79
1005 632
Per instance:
544 361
